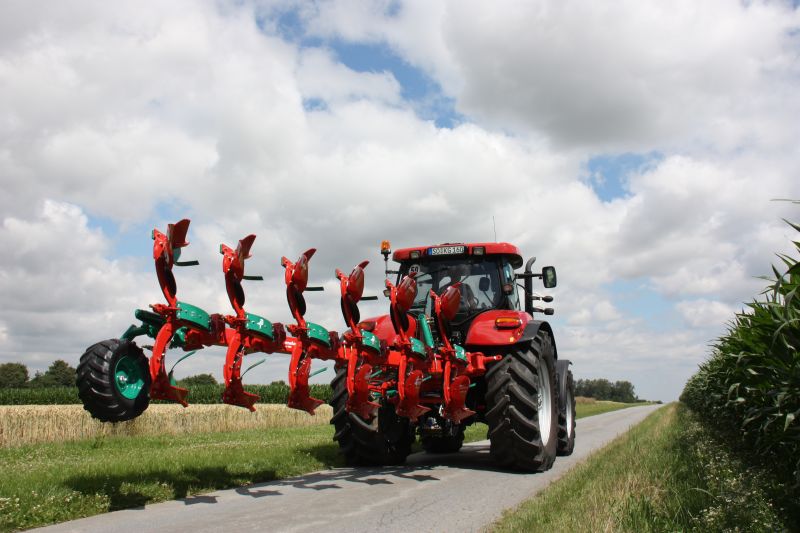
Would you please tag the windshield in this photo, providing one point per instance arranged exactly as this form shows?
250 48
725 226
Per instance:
479 277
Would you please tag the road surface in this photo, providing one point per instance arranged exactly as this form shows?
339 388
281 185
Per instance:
454 492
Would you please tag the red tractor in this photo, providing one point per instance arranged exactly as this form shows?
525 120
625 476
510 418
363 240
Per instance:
458 346
517 385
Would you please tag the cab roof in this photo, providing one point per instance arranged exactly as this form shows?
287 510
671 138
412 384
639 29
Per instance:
452 249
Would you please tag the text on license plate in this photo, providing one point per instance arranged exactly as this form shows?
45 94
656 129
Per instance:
447 250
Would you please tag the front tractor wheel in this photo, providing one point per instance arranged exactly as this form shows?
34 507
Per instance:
522 406
113 380
384 440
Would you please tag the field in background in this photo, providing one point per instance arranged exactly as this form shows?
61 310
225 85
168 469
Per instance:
31 424
58 481
669 473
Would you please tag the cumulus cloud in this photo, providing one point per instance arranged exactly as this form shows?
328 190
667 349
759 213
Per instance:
59 287
703 313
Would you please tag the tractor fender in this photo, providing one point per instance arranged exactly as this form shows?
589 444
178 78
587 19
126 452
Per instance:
532 329
562 367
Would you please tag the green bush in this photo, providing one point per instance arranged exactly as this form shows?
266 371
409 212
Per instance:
752 380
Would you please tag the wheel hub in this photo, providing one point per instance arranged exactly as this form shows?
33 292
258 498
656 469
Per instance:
544 406
128 377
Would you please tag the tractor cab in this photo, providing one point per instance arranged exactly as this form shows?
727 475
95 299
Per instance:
485 272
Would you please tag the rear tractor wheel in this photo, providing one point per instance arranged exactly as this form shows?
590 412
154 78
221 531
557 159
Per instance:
383 440
522 406
113 379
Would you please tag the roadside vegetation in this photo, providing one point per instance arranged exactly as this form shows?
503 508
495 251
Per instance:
57 481
669 473
750 386
201 391
727 459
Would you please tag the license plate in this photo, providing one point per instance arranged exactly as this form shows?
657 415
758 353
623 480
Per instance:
447 250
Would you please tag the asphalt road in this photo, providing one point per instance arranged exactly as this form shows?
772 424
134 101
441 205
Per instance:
454 492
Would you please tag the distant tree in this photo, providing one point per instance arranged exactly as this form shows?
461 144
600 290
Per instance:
59 374
199 379
13 375
603 389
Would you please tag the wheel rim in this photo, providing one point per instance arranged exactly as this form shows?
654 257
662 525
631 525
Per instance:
570 411
128 377
544 406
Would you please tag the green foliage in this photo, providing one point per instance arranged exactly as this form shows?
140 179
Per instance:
602 389
669 473
59 374
276 392
751 382
47 483
13 375
40 396
199 379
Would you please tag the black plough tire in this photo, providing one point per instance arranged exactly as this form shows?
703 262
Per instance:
566 410
95 380
384 440
448 444
512 414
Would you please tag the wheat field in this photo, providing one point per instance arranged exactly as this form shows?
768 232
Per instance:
30 424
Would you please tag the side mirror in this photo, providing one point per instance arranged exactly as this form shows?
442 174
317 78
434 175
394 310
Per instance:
549 277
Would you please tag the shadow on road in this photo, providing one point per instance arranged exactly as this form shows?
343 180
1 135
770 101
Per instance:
121 491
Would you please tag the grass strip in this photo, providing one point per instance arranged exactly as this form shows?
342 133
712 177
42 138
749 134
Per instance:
669 473
51 482
46 483
478 430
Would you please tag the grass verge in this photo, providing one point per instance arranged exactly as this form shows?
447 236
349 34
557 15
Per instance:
668 473
47 483
478 430
57 481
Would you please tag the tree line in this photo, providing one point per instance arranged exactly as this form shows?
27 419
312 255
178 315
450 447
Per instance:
603 389
61 374
16 376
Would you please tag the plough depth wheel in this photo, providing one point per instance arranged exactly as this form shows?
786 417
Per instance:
384 440
113 380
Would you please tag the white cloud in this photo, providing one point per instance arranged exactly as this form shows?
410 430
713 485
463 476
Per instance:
703 313
60 290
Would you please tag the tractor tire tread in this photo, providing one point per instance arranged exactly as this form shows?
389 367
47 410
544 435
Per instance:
512 408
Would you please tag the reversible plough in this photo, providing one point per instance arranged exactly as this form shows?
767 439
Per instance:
384 383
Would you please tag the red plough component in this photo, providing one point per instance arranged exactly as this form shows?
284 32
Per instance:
396 372
247 333
310 341
355 349
166 250
455 382
412 359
